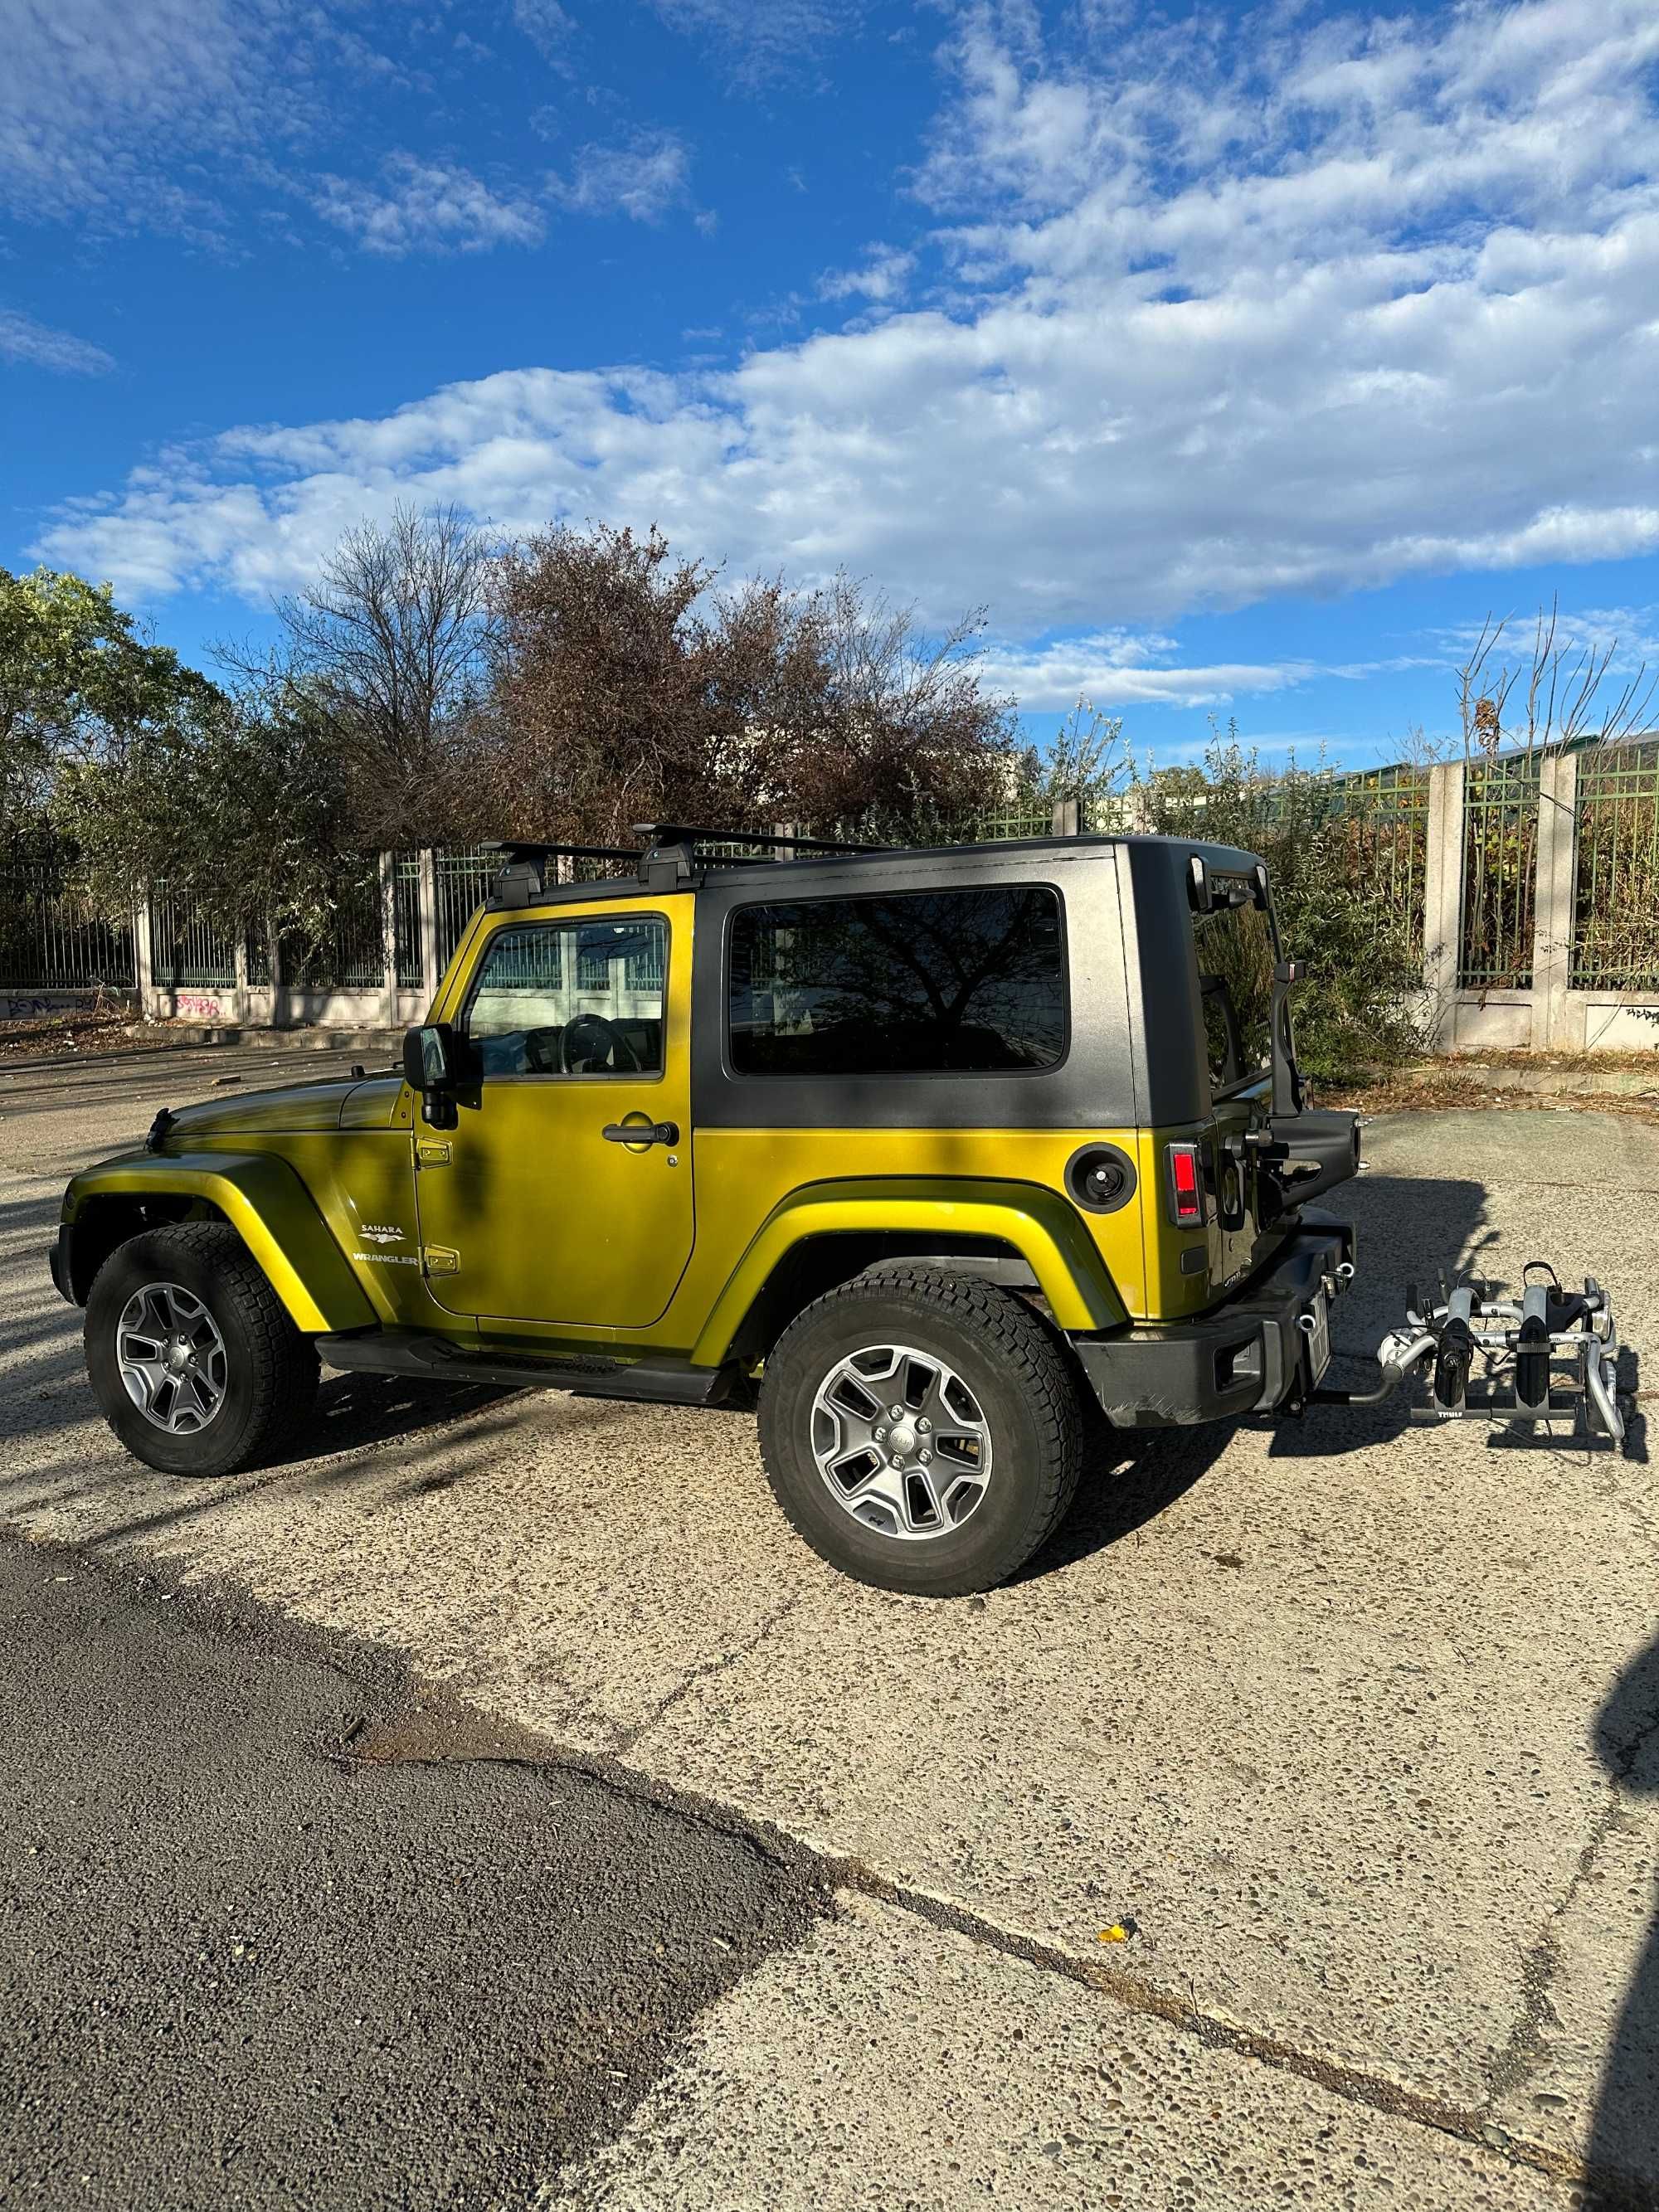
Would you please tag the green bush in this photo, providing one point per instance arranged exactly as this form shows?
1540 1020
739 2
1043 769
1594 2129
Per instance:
1360 1005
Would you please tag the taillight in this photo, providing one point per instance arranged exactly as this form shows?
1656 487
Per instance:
1186 1191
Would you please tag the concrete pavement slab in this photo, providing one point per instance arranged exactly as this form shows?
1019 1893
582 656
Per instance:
886 2065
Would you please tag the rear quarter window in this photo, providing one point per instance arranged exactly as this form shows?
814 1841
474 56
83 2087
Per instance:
908 983
1235 956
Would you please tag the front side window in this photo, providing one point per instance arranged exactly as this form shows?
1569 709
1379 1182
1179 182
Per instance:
1236 958
571 998
916 983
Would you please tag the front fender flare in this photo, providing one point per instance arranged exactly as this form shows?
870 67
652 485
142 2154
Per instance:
269 1208
1037 1223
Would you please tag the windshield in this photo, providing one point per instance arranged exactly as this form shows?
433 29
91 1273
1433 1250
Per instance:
1235 957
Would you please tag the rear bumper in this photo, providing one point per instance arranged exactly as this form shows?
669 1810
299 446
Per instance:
1247 1355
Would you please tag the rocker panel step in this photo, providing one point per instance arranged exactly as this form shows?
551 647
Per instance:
652 1381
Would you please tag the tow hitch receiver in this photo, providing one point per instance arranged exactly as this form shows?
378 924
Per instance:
1548 1355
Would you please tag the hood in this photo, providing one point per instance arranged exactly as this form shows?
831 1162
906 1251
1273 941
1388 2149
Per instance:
347 1103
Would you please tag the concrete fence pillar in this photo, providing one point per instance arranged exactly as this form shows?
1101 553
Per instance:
238 979
431 972
1442 901
1553 889
1063 820
143 977
388 868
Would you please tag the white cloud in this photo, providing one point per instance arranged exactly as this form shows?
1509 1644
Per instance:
762 38
1240 311
105 105
642 180
881 281
1116 668
33 345
426 205
545 24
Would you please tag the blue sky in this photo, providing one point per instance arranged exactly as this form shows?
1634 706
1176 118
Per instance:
1237 360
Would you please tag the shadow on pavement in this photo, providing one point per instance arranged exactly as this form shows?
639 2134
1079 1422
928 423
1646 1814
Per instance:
1408 1229
355 1412
1624 2141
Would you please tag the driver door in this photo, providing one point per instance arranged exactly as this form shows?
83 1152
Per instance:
529 1212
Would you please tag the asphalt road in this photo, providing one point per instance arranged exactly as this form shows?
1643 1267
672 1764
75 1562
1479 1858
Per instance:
1358 1724
279 1928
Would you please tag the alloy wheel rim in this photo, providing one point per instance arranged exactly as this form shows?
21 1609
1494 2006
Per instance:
901 1443
173 1361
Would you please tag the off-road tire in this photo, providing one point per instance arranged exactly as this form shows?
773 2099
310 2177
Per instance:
1012 1365
270 1369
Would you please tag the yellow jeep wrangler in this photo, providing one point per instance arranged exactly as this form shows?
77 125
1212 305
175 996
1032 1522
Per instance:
931 1155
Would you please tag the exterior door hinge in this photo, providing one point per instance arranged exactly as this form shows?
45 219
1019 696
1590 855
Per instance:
431 1153
438 1259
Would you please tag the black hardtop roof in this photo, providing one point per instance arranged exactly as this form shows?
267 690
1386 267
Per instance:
682 868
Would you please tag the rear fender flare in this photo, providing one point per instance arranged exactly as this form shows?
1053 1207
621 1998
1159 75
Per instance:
269 1208
1037 1223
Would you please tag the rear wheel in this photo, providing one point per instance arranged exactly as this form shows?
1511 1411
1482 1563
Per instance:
921 1431
192 1356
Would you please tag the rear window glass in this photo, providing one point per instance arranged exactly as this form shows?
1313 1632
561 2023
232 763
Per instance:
919 983
1236 984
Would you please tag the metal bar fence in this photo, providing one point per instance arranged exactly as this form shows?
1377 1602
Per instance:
1616 933
1385 816
350 956
465 873
406 919
186 951
51 936
1500 844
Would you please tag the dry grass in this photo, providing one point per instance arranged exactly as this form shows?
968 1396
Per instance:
76 1033
1445 1084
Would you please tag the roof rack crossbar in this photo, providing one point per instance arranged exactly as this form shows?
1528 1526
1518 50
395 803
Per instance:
681 833
519 849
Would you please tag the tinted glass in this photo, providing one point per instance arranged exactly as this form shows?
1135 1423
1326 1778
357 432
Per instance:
1236 980
571 998
924 983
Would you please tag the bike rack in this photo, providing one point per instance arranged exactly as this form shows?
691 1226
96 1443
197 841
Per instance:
1548 1354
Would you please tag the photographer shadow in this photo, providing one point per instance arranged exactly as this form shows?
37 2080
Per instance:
1623 2150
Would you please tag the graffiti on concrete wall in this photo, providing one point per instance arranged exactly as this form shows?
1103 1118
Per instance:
30 1006
197 1006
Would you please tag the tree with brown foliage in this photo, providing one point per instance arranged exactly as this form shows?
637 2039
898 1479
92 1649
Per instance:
865 723
624 689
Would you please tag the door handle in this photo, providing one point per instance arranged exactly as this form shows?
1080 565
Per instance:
641 1133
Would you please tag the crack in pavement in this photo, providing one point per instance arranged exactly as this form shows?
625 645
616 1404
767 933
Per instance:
1616 2191
626 1739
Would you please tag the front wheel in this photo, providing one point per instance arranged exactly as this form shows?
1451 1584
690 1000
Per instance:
191 1354
921 1430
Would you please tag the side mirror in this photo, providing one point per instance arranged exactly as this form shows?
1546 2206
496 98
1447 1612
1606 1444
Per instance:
432 1066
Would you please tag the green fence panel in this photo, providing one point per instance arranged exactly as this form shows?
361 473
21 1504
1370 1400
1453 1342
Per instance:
1615 928
1500 845
1385 817
406 920
185 949
465 873
51 936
